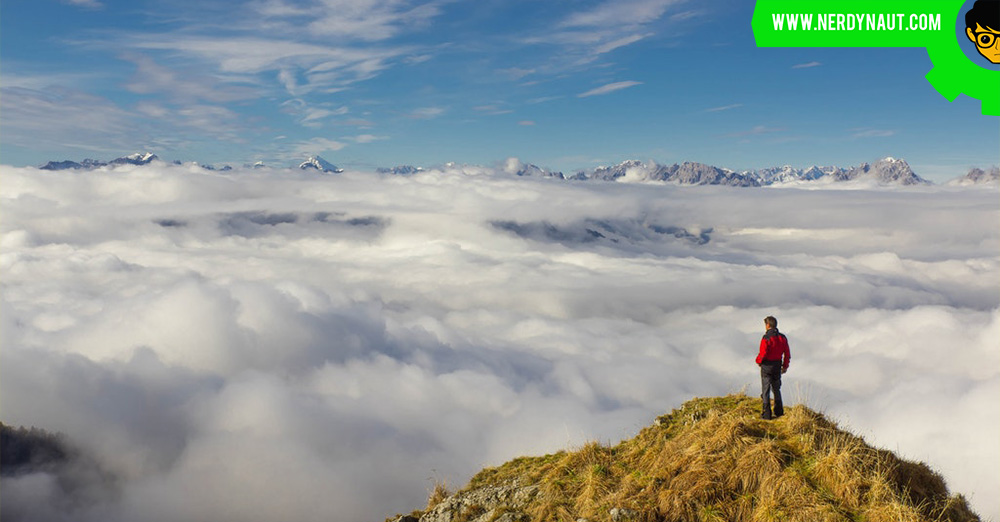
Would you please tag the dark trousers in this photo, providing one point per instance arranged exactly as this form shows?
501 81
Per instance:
770 380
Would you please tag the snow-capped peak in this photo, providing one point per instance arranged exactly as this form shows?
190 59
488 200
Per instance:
320 164
143 157
139 158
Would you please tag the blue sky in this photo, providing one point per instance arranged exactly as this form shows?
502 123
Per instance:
373 83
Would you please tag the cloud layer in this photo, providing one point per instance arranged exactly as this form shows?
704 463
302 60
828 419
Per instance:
261 345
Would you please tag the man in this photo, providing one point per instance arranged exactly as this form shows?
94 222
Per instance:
773 360
982 26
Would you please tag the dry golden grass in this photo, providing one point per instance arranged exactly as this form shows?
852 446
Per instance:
714 459
438 494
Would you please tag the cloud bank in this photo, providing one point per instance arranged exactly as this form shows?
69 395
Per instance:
276 344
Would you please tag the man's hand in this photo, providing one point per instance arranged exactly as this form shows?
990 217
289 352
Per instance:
783 370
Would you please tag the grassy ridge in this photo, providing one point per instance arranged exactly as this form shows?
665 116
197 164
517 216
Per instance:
713 459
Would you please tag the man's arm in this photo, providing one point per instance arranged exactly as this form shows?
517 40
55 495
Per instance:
786 354
763 350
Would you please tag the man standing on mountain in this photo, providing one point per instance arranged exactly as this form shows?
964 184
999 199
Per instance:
773 361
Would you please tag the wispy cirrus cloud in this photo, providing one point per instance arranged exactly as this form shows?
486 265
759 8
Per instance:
756 130
724 107
620 13
516 73
183 85
621 42
300 150
872 133
89 4
806 65
312 115
608 88
426 113
587 34
366 138
492 109
59 116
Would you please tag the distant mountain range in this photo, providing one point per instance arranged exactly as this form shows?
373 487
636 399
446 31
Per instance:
139 158
886 171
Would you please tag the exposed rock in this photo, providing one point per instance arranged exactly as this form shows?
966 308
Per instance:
622 514
495 503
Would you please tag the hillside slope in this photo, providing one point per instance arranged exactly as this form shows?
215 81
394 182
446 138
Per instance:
712 459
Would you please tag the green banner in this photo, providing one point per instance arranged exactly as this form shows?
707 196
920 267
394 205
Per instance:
852 23
932 24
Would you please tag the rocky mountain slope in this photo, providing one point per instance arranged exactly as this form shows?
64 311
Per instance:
711 459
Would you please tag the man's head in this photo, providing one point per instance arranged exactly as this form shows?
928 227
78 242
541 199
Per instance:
770 322
982 26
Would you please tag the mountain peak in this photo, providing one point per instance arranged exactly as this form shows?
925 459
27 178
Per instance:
978 176
139 158
712 456
320 164
519 168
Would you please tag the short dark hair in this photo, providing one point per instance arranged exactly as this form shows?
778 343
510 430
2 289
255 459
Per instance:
986 13
771 322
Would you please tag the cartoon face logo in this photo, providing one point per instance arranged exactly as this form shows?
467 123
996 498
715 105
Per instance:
982 26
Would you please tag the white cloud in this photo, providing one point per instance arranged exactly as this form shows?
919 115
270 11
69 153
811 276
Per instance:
620 13
873 133
526 123
492 110
806 65
60 117
370 20
584 36
621 42
315 146
182 86
756 130
283 344
426 113
367 138
516 73
90 4
724 107
609 88
300 67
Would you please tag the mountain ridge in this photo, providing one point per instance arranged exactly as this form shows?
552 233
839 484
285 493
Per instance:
887 171
710 459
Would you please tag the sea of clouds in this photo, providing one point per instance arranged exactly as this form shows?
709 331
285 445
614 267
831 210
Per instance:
288 345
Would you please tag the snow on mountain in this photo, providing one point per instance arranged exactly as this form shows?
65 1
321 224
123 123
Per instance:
139 158
687 173
978 176
519 168
400 170
320 164
789 174
886 171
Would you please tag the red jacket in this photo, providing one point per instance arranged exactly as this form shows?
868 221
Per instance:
774 347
